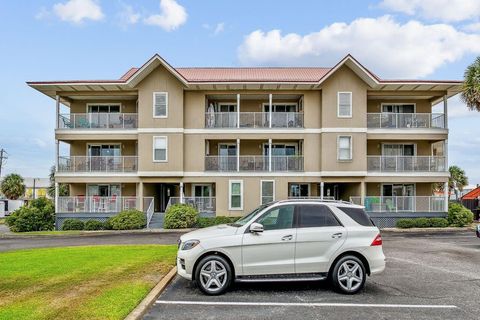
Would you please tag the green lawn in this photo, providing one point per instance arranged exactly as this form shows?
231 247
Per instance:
94 282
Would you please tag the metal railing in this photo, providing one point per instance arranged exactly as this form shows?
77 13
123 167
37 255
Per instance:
402 203
98 164
253 163
148 203
202 204
253 120
405 120
97 204
406 163
98 121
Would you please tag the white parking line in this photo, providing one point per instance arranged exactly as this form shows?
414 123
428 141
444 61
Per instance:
301 304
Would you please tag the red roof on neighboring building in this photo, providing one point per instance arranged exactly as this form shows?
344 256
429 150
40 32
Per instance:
472 195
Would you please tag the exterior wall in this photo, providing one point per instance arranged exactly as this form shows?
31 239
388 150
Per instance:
175 153
421 105
80 106
329 154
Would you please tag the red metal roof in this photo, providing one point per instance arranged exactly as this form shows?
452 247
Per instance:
474 194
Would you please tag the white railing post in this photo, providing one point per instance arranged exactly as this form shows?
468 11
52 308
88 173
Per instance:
57 108
238 110
445 112
238 154
181 192
56 196
270 98
322 186
269 155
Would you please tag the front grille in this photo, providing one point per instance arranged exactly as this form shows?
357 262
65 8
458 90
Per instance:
182 263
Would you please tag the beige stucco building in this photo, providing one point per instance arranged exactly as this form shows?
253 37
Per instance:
228 139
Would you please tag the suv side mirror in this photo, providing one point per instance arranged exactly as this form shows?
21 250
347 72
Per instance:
256 227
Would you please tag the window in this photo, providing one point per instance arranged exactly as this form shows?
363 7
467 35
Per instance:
267 190
277 218
358 215
344 148
297 190
235 201
344 107
313 215
103 108
398 107
160 104
160 149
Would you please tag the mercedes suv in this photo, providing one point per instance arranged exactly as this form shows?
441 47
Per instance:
289 240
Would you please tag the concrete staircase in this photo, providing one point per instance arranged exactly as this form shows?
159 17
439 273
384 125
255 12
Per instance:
157 220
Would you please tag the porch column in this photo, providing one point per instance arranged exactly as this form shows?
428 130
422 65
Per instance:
362 192
140 195
56 196
238 110
445 195
57 153
322 186
270 98
238 154
57 107
445 111
270 155
181 192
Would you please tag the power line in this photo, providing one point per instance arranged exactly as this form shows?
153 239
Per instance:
3 159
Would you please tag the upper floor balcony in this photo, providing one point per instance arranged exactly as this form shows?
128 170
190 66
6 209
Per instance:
391 120
406 163
254 120
98 121
98 164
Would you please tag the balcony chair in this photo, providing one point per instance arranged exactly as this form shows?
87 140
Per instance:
67 123
389 205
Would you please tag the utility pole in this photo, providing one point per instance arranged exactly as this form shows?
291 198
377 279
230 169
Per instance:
3 159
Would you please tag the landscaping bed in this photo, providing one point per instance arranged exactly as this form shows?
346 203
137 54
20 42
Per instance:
93 282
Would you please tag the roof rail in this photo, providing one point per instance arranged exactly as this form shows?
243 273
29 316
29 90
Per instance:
315 200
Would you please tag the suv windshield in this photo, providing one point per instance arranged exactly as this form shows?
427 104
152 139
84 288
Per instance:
242 221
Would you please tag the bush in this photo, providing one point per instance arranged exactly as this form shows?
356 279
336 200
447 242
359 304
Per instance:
405 223
458 215
422 223
127 220
38 215
73 224
204 222
180 216
438 222
92 225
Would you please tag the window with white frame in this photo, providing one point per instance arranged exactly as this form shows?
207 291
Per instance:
160 104
267 189
160 148
344 147
344 105
235 194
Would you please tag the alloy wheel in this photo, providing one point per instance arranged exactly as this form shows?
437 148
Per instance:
350 275
213 276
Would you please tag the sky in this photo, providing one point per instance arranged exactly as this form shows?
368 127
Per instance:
100 39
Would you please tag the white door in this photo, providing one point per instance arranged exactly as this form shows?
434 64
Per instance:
271 251
319 235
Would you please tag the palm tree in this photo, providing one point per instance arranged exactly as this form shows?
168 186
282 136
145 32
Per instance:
12 186
62 188
471 86
457 180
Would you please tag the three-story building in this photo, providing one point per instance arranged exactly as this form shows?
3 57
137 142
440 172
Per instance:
229 139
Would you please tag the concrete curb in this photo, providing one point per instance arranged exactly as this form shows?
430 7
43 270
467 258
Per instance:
10 234
142 307
425 230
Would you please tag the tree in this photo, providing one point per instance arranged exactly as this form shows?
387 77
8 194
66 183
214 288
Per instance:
457 179
471 86
12 186
62 187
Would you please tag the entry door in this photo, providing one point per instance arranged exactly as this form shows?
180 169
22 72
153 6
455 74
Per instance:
273 250
166 191
202 190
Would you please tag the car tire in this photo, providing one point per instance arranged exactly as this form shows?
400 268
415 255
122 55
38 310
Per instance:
348 275
213 275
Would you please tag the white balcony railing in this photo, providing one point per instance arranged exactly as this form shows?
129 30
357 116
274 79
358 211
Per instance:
98 121
202 204
405 120
98 164
253 163
406 163
253 120
97 204
402 203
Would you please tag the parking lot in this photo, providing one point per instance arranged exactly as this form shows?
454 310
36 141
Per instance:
428 276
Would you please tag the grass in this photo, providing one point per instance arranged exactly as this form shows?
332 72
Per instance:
50 233
93 282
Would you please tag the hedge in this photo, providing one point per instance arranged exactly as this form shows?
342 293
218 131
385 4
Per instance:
38 215
204 222
422 223
92 225
127 220
73 224
458 215
180 216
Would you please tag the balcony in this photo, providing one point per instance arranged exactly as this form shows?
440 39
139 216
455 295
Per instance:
254 163
403 203
406 120
110 121
406 164
205 205
98 164
253 120
97 204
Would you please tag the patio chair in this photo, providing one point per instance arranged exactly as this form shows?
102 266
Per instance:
390 206
83 123
67 123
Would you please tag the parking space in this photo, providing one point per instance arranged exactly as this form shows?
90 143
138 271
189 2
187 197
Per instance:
428 276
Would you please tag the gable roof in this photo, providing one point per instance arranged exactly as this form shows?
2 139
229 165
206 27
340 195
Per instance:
474 194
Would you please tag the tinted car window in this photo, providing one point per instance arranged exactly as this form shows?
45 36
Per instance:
358 215
312 215
277 218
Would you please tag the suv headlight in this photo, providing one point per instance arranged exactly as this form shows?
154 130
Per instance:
190 244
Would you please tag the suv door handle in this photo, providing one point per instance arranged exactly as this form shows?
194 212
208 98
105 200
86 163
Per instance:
289 237
337 235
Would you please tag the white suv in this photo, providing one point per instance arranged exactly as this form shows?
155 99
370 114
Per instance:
290 240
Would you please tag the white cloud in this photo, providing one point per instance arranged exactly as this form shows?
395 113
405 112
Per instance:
171 17
219 28
42 14
128 16
76 11
389 48
443 10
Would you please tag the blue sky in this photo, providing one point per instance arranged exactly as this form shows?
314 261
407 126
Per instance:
99 39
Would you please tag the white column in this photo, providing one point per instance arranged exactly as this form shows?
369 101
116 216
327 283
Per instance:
181 192
140 195
269 154
238 110
57 107
446 196
362 192
238 154
270 98
56 196
445 111
57 153
322 186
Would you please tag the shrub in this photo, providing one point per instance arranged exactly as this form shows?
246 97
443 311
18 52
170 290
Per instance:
73 224
422 223
204 222
94 225
438 222
180 216
127 220
38 215
405 223
458 215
